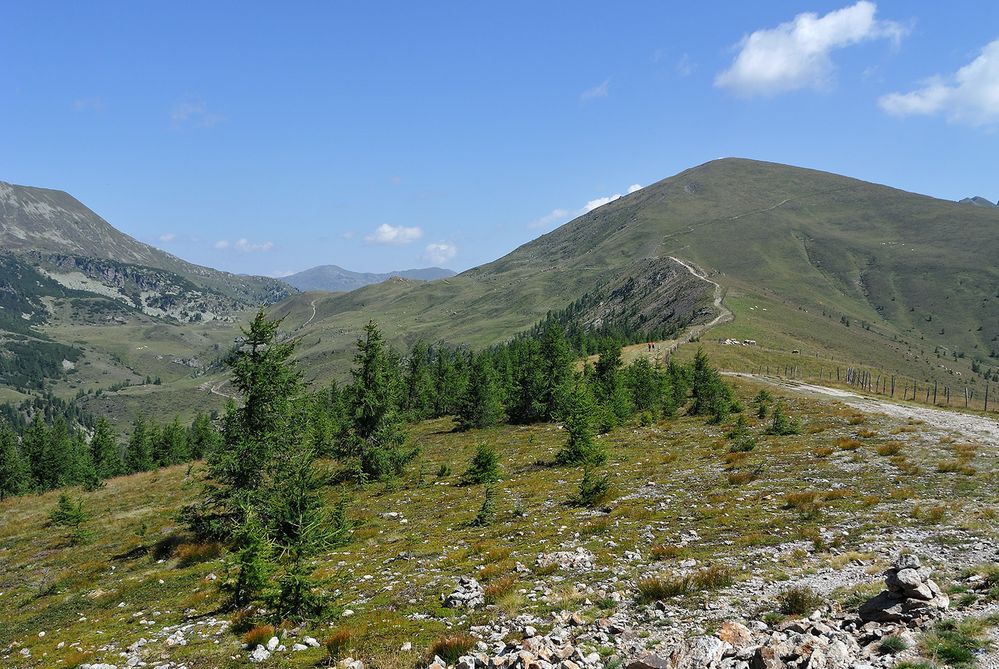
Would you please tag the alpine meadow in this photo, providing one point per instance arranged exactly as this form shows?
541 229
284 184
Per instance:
742 414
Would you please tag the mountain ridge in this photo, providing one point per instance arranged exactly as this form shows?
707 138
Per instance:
336 279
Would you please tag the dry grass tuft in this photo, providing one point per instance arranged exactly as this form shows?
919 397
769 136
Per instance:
451 647
258 636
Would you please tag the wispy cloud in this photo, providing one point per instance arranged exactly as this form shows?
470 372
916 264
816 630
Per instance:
394 234
796 54
601 90
553 216
91 104
440 253
970 95
559 215
194 112
168 237
243 245
685 66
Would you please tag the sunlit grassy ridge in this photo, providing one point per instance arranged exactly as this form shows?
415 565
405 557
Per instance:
802 242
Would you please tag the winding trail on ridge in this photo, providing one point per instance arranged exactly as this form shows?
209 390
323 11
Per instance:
981 427
724 313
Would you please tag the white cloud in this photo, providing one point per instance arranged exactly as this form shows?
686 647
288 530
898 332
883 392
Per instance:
796 54
168 237
194 111
394 234
557 215
601 90
243 245
599 202
549 218
970 95
440 253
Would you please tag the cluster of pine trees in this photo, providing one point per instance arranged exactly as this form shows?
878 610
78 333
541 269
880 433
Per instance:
43 456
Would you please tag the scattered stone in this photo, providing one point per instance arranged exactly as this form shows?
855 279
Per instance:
469 594
259 654
911 596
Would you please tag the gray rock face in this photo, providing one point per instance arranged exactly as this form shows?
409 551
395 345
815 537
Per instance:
911 596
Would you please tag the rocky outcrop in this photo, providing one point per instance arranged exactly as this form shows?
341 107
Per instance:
911 596
467 595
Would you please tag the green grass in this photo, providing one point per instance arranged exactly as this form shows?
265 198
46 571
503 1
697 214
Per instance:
50 586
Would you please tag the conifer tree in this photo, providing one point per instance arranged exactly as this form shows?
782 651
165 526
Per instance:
647 386
527 403
104 451
484 467
556 358
609 385
419 393
15 474
202 437
482 404
326 419
450 378
578 418
377 433
35 446
171 448
711 395
266 422
139 453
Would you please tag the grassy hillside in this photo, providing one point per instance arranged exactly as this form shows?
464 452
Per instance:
826 509
800 254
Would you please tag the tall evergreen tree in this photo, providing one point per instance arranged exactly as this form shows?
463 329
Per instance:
610 388
578 418
377 433
139 453
556 358
104 451
202 437
647 386
171 448
482 404
267 422
449 379
712 396
15 474
35 446
419 394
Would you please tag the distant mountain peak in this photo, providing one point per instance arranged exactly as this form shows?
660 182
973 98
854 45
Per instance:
979 201
336 279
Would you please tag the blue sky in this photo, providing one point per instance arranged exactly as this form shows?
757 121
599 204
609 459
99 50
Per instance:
268 138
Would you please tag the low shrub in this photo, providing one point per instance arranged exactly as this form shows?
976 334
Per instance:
798 601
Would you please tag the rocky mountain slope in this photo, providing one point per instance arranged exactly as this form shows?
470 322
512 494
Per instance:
52 226
71 286
335 279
